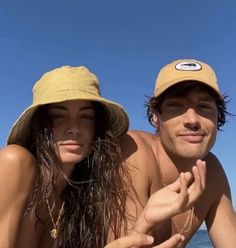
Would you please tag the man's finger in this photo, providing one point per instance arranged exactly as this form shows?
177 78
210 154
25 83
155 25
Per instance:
173 242
130 241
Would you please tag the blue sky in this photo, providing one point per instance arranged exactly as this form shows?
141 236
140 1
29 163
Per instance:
125 43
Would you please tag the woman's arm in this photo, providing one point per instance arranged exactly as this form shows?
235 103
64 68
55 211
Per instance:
17 173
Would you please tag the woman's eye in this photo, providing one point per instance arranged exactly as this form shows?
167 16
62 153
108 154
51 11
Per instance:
87 116
57 116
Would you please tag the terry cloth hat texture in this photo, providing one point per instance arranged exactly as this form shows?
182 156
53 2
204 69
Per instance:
62 84
184 70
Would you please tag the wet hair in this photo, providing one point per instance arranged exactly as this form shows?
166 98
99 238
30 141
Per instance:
95 193
153 104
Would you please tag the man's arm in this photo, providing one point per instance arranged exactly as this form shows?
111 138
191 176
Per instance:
141 163
16 179
221 217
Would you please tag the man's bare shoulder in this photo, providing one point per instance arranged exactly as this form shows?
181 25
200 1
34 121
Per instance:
217 181
139 156
213 164
220 217
138 152
137 143
143 135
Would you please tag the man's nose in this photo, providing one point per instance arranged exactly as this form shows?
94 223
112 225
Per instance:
191 119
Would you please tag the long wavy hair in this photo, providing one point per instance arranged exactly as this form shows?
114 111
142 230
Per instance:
95 193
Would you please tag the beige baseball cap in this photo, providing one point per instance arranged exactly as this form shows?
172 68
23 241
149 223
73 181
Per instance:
185 70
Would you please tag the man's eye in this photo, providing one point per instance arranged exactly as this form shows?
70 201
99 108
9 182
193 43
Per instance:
174 104
204 106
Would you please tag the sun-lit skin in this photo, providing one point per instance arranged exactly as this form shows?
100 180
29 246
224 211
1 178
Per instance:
73 130
187 126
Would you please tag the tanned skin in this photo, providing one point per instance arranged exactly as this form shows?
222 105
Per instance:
186 129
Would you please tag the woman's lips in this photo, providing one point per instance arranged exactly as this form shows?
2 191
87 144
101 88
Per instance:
71 145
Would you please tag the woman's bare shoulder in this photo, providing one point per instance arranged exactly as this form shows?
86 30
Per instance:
16 160
16 153
17 180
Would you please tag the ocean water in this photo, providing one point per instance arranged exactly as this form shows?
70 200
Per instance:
200 240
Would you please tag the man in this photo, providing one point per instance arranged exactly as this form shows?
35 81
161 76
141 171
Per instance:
187 109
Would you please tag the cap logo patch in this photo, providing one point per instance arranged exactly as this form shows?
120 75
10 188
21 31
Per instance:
188 66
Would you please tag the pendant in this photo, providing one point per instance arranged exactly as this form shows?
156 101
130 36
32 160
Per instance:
54 233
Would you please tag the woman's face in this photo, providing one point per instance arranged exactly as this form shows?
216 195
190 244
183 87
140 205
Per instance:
73 124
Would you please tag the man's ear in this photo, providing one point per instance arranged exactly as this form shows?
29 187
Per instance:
155 120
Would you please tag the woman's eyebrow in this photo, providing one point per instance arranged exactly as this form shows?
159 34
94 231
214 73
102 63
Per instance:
65 108
87 108
57 107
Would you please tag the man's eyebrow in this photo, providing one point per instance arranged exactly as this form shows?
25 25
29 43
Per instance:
203 98
172 97
206 99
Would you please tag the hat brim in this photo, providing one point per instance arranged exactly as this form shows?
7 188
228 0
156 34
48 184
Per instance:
118 121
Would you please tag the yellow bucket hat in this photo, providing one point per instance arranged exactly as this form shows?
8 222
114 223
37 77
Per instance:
183 70
62 84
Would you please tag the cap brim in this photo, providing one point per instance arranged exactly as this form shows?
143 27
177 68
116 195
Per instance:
165 86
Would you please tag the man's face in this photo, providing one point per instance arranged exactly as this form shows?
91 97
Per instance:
187 125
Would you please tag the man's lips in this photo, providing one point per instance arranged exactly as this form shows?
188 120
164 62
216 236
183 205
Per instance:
192 137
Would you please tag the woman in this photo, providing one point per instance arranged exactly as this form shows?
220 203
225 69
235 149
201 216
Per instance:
71 190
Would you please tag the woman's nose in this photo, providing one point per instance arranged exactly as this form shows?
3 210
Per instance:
72 127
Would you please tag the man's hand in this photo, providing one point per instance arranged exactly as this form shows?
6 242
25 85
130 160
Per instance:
173 199
142 240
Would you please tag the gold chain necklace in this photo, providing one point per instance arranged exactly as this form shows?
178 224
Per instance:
187 224
189 220
54 230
